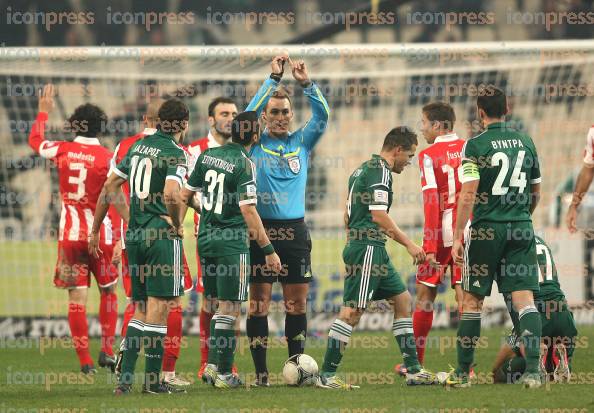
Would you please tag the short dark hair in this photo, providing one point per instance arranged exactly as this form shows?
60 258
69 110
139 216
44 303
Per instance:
281 93
244 126
216 101
440 112
172 113
493 101
88 120
402 136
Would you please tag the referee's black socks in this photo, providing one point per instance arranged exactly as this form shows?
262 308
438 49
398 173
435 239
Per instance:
296 332
257 332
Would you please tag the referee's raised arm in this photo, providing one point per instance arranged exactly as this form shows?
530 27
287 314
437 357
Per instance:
315 127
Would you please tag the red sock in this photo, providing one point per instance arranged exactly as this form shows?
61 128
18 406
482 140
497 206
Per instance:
422 321
108 318
172 342
205 318
79 329
128 314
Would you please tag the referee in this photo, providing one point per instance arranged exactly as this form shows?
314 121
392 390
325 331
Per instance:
281 160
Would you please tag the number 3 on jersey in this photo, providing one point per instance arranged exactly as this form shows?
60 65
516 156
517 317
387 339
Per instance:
214 191
518 178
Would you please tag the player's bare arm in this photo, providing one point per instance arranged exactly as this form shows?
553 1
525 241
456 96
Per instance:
187 197
535 194
465 206
109 194
387 224
46 99
584 180
255 227
174 204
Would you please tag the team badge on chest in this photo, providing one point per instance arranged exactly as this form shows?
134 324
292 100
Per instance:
294 164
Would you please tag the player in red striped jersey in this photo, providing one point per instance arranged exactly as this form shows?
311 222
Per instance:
221 112
82 169
174 320
440 181
584 180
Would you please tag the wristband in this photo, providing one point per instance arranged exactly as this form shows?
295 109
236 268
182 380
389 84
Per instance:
276 76
268 249
306 84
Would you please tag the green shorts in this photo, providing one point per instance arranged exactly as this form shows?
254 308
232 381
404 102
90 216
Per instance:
370 275
227 277
501 252
156 268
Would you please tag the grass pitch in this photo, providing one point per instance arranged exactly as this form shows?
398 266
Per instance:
32 380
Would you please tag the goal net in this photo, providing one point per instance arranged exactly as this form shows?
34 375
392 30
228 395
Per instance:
370 89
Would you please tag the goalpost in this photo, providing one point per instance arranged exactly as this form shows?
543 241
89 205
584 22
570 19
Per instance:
370 89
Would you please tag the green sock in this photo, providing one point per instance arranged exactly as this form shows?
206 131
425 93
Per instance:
132 343
212 349
154 335
531 329
338 338
403 332
469 331
225 342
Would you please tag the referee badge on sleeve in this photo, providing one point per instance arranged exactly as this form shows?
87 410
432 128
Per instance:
294 164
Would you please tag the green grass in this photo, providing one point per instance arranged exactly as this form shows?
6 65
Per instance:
374 359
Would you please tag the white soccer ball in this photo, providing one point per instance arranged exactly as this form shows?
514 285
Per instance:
300 370
441 377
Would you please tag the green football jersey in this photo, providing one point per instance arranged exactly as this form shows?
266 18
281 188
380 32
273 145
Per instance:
370 188
550 289
226 179
147 165
506 163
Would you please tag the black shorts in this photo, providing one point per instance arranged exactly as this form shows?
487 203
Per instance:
292 243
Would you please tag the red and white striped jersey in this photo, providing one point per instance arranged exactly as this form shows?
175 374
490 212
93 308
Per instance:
589 150
441 170
195 149
82 165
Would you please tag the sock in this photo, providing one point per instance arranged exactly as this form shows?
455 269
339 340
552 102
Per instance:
469 331
225 341
422 322
403 332
173 340
153 337
205 318
132 343
79 330
108 318
128 314
338 338
530 327
296 332
257 332
212 345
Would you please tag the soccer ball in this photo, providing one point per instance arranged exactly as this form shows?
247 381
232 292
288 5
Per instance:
300 370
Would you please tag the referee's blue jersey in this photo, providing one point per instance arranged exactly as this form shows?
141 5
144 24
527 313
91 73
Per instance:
282 163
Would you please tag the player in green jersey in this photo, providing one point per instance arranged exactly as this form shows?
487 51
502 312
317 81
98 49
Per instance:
501 188
370 274
558 328
155 168
225 177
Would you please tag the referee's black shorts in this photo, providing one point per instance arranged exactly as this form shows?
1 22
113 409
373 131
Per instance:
292 243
